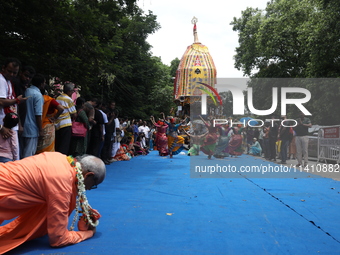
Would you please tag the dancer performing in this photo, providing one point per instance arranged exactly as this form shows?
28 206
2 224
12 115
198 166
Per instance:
209 143
195 143
235 143
40 192
175 142
221 150
161 140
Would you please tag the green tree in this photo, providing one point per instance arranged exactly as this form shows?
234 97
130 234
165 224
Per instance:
174 66
323 39
292 39
161 97
272 42
99 45
227 100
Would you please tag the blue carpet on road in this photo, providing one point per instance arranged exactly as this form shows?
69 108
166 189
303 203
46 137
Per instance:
152 205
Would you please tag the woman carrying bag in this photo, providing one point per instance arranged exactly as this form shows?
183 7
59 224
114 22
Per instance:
80 127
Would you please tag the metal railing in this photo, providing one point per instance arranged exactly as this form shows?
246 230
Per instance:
329 144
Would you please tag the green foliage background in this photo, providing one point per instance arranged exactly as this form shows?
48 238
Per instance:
293 39
97 44
101 46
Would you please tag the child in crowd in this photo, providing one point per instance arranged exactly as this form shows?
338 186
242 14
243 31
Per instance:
139 150
8 146
142 140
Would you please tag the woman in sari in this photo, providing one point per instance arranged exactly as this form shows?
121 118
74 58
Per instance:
121 154
175 142
195 143
126 141
209 144
130 146
221 150
161 140
235 143
51 111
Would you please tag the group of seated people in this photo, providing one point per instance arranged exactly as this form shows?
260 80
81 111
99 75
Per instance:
128 148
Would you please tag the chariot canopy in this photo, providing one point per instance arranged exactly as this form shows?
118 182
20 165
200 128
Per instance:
196 66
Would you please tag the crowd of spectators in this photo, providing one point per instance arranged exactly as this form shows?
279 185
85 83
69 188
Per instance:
278 138
32 121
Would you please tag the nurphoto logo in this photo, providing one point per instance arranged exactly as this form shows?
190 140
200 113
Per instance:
238 100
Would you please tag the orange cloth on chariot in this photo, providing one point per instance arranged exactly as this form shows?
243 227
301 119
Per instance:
41 191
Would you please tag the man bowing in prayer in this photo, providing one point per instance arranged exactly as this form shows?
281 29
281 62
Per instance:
42 191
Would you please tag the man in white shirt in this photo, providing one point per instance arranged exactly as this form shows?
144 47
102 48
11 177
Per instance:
105 119
116 134
145 129
8 99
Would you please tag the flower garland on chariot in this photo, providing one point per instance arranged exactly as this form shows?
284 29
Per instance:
89 215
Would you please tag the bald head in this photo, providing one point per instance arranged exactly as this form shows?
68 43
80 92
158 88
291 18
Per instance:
90 163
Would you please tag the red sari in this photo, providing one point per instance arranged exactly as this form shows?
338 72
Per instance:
210 140
161 140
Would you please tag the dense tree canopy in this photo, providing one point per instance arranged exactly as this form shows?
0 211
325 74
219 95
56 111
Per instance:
293 39
99 45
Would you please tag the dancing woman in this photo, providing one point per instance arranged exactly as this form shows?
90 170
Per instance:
221 150
235 143
210 140
195 143
161 140
175 142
